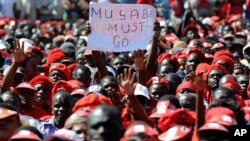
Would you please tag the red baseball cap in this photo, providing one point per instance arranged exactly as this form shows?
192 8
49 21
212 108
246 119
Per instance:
25 134
221 115
180 116
158 80
247 113
162 108
218 46
79 91
5 113
25 85
213 126
141 128
93 99
175 132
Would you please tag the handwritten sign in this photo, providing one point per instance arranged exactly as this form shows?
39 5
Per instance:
120 27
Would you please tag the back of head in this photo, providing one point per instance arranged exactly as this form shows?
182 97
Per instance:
172 99
104 123
63 94
174 80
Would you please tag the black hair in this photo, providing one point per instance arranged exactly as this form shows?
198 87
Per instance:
172 99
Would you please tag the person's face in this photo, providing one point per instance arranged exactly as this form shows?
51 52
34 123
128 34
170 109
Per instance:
156 91
182 62
187 102
27 97
80 59
192 62
8 126
61 109
80 129
165 69
103 126
243 81
56 75
238 71
42 94
117 62
8 98
214 78
111 87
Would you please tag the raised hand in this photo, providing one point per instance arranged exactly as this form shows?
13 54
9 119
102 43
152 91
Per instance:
157 30
139 59
127 81
18 53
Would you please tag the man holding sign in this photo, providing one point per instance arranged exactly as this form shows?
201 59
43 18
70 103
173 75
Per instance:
120 27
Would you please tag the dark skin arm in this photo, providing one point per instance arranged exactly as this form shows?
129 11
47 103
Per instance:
97 57
127 82
145 65
19 57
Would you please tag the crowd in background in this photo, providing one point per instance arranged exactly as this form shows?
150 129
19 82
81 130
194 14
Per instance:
191 84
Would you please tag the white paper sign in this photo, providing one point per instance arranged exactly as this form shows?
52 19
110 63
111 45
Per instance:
120 27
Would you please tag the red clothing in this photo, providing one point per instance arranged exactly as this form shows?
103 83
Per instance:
125 115
35 113
144 1
236 6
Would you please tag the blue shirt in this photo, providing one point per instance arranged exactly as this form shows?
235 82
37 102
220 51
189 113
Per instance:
48 127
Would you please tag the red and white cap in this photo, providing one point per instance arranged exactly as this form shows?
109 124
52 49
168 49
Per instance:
176 132
221 115
213 126
25 85
4 113
162 108
25 134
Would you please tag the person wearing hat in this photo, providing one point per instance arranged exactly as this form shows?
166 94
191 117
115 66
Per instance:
213 131
157 87
214 74
78 122
9 121
62 105
44 87
140 131
12 98
58 72
27 93
27 133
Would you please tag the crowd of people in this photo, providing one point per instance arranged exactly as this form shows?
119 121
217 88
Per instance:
190 84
